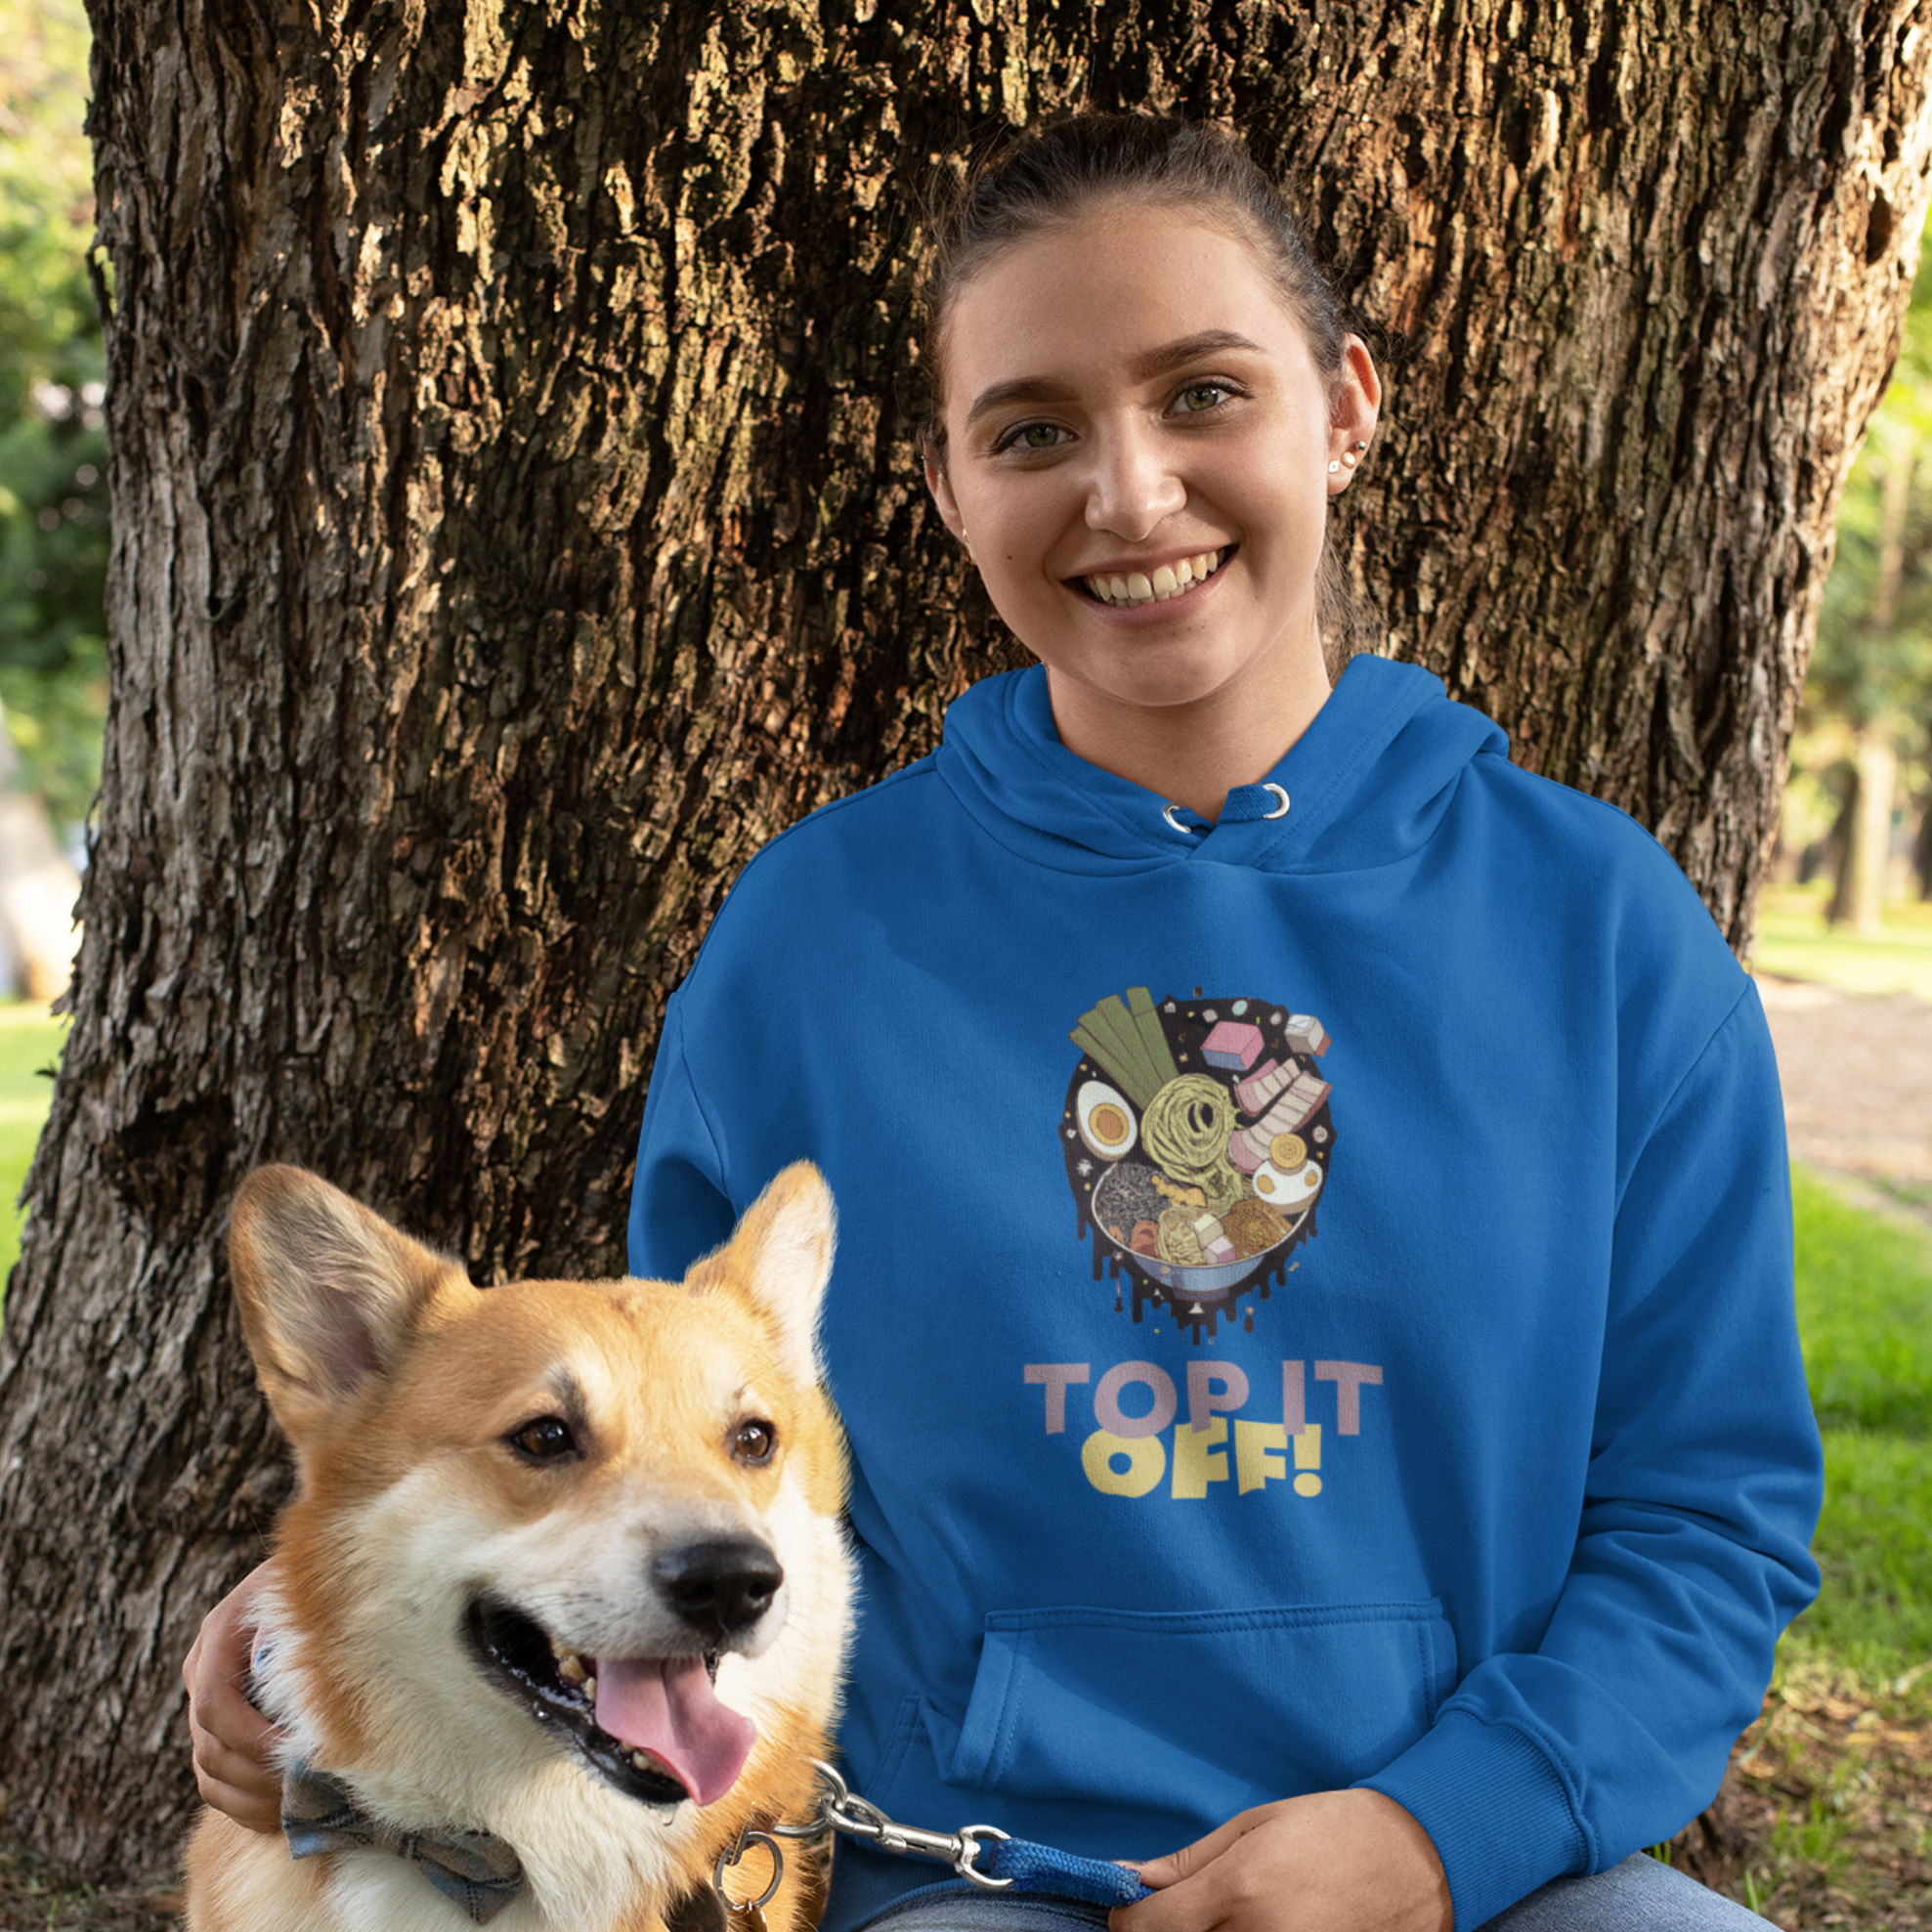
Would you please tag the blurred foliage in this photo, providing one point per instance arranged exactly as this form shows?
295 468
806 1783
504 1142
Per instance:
1873 662
1864 667
52 440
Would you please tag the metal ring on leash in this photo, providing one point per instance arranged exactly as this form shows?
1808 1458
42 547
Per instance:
836 1792
972 1837
734 1853
1281 810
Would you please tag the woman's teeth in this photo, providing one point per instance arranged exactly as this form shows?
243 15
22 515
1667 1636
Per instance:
1170 581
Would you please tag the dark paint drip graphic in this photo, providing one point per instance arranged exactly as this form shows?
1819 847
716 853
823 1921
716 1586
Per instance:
1197 1136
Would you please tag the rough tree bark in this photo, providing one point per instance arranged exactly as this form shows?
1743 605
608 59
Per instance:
515 526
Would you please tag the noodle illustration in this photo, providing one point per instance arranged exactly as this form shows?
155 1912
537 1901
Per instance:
1185 1129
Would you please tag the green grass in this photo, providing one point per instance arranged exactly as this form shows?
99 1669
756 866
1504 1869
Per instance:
1865 1313
29 1045
1874 1615
1795 943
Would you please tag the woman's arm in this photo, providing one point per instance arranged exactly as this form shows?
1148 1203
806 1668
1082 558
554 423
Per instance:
1692 1552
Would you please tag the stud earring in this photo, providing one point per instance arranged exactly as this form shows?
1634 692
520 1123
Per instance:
1349 458
1333 467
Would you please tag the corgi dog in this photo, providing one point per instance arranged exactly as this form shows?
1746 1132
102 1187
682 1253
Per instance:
561 1603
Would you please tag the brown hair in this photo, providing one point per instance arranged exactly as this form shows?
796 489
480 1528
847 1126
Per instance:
1047 177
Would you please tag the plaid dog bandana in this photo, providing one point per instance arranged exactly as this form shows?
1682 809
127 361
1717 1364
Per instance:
475 1869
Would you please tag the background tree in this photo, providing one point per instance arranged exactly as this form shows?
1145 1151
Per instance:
516 524
1867 718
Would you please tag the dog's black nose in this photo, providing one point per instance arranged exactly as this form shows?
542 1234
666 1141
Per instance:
722 1586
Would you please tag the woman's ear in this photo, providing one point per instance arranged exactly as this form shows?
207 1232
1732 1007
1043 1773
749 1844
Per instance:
941 488
1352 413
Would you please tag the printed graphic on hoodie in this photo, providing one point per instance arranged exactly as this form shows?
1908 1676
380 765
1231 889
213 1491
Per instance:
1197 1138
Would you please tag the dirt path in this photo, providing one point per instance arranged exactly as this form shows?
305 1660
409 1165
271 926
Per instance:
1857 1078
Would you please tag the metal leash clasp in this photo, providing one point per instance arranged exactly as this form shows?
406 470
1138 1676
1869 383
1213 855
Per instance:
841 1811
749 1915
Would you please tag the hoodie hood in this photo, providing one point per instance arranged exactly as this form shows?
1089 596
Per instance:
1367 783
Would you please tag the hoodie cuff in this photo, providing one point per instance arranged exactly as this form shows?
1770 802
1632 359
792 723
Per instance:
1495 1806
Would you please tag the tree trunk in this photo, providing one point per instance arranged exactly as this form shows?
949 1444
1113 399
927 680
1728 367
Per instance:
515 527
1922 848
1866 857
1841 847
1861 890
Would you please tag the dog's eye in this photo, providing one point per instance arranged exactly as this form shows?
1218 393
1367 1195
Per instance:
755 1440
545 1439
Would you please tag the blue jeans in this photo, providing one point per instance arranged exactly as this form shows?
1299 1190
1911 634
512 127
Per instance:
1639 1895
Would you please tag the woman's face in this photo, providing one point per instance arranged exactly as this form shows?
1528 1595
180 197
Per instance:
1139 452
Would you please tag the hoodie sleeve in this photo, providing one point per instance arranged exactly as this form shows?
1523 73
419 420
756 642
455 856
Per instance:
1693 1549
679 1206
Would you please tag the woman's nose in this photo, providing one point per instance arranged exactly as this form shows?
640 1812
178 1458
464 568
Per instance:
1134 484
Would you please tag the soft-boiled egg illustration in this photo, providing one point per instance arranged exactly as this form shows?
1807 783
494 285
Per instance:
1291 1190
1106 1122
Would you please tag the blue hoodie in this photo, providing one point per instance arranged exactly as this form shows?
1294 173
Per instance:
1314 1297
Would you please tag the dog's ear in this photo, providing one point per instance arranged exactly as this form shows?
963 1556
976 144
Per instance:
779 1259
327 1290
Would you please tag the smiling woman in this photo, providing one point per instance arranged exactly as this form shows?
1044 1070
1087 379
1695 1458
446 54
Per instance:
1136 436
1398 1657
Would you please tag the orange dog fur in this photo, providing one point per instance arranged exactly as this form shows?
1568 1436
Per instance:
440 1506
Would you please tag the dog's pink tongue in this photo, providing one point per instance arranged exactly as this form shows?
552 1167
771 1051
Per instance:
667 1706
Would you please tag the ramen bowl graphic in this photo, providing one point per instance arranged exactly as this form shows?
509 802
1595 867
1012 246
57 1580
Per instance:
1197 1135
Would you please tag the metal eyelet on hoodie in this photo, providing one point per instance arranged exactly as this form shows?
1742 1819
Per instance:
1187 830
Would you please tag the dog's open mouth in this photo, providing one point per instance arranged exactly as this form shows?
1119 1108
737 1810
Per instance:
652 1727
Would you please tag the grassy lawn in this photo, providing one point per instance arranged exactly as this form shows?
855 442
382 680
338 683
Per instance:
1795 943
1827 1815
1865 1312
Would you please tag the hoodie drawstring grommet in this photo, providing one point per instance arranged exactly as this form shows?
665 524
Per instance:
1280 810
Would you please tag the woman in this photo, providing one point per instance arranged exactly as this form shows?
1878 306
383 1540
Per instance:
1394 1574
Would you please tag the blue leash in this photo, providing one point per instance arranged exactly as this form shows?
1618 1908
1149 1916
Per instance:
982 1855
1032 1868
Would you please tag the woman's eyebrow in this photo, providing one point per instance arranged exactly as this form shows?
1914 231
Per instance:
1021 389
1157 361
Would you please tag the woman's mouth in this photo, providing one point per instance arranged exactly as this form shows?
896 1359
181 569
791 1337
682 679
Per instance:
1127 591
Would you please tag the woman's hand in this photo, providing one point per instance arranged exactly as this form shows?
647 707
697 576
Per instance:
1331 1862
233 1740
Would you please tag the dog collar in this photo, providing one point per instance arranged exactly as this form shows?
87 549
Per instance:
477 1870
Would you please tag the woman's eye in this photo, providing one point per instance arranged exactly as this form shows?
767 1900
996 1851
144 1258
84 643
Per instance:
1199 397
1032 436
754 1441
544 1440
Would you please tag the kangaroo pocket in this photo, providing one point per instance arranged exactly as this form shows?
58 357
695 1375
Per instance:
1205 1712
